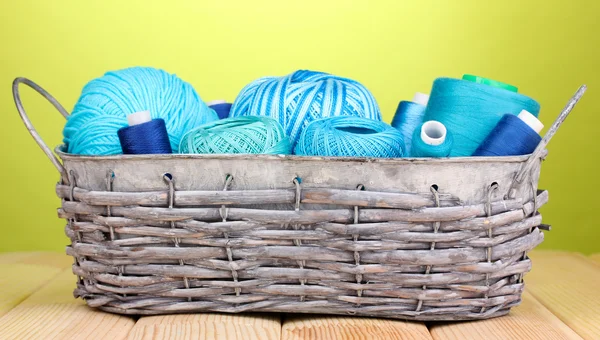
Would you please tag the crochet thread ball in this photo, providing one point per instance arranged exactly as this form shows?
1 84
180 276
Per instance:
241 135
105 103
350 136
298 99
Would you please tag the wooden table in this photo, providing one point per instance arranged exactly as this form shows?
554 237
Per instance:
562 301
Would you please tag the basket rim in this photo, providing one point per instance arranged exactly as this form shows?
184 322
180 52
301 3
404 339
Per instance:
496 159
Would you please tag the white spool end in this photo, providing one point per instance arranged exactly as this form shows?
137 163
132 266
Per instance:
531 120
433 132
138 118
421 98
215 102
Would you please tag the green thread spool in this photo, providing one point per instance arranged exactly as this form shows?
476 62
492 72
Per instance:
490 82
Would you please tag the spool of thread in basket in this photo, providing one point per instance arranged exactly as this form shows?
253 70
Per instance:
491 82
144 135
513 136
350 136
221 107
409 115
298 99
105 102
240 135
471 110
431 139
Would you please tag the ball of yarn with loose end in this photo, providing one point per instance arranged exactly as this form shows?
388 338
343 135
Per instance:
105 103
297 99
422 149
240 135
350 136
471 110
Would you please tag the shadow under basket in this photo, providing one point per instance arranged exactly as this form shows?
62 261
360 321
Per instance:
417 239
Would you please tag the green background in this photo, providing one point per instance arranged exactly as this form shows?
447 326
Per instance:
546 48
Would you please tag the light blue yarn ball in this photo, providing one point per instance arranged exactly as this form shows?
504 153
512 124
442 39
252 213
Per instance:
105 102
350 136
471 110
297 99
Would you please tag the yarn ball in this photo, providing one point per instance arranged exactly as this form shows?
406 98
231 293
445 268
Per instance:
422 149
240 135
298 99
105 103
471 110
350 136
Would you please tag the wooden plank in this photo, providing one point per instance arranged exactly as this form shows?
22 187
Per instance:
208 326
24 273
566 283
298 327
53 313
530 320
596 257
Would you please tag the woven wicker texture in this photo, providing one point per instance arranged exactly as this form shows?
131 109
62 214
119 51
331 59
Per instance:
426 256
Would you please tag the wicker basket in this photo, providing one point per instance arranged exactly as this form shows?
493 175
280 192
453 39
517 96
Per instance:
419 239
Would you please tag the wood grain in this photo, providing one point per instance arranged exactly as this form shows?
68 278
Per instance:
298 327
566 283
530 320
24 273
208 326
595 257
53 313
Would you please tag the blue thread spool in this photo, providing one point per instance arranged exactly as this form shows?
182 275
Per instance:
221 107
351 137
144 135
409 115
431 139
513 136
471 110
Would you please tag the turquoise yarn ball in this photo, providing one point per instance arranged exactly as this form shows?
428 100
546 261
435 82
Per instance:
241 135
471 110
105 103
297 99
350 136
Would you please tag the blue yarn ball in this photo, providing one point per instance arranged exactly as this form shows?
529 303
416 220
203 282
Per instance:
471 110
297 99
105 102
350 136
240 135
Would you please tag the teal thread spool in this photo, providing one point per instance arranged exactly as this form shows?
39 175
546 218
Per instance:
432 139
471 110
240 135
490 82
409 115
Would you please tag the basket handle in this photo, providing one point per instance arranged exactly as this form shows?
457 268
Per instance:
17 97
539 150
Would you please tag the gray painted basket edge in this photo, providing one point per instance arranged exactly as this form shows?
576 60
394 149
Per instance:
237 240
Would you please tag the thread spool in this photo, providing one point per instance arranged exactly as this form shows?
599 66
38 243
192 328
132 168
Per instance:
431 139
221 107
471 110
240 135
105 102
144 135
491 82
513 136
351 137
299 98
409 115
